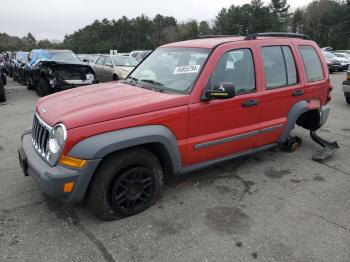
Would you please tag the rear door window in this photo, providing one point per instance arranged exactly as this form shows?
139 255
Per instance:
279 66
108 61
312 63
100 61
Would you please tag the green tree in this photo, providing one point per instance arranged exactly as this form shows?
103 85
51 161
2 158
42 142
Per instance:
204 28
280 13
298 21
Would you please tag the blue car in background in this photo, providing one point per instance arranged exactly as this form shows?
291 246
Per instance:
48 71
18 67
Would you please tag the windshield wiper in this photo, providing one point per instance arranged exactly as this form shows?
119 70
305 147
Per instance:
152 82
133 78
159 89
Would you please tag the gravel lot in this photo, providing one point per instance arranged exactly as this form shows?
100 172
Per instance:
274 206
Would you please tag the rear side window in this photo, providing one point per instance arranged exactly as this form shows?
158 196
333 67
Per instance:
312 63
279 66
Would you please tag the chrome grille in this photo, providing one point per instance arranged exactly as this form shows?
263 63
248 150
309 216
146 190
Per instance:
40 136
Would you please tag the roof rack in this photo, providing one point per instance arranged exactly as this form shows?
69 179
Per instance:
276 34
213 36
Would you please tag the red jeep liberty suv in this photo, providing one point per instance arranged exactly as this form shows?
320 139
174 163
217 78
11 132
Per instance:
187 106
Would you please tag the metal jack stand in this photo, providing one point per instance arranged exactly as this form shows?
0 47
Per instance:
328 147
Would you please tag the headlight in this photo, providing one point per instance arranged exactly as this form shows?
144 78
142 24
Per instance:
57 139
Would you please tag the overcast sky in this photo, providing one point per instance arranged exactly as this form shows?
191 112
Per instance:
53 19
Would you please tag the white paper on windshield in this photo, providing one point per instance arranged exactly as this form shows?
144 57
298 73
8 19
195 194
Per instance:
189 69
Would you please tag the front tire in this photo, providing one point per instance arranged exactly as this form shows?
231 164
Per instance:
4 80
347 99
28 84
43 88
125 184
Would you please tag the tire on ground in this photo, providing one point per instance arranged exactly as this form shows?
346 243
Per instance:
43 88
109 174
28 84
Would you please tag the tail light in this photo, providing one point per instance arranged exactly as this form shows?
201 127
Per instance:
329 98
348 75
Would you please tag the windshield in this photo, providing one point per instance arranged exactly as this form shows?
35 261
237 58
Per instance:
63 56
125 61
174 69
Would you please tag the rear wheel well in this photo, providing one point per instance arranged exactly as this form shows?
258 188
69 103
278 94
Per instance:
309 120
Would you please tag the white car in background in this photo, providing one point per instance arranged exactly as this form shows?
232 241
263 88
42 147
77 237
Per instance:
342 54
327 49
344 61
113 67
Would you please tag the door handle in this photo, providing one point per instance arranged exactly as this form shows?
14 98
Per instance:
249 103
298 93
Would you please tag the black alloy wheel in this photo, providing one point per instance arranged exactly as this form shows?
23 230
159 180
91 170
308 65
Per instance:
133 190
126 183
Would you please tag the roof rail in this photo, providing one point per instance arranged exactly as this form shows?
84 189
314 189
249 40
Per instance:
213 36
276 34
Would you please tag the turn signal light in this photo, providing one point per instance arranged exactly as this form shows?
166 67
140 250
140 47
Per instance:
68 187
72 162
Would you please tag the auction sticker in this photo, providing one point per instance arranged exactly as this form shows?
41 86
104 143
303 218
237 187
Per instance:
189 69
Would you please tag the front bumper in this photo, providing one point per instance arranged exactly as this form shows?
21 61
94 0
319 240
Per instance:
333 66
63 85
346 88
51 180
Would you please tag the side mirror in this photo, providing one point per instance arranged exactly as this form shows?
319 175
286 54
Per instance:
85 60
221 91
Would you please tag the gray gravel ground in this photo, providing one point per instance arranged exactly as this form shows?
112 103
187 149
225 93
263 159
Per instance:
274 206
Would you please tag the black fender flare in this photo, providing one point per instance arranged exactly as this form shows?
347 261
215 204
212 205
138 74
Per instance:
297 110
98 146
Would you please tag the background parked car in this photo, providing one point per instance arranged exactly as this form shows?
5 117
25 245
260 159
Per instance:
342 64
18 68
139 55
113 67
50 71
346 87
2 84
342 55
86 58
327 49
343 60
343 51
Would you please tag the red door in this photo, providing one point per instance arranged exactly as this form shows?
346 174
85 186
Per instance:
219 128
282 89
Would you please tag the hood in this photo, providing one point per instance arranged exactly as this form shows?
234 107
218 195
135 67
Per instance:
54 62
126 68
97 103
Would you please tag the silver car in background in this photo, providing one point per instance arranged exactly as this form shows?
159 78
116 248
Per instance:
113 67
